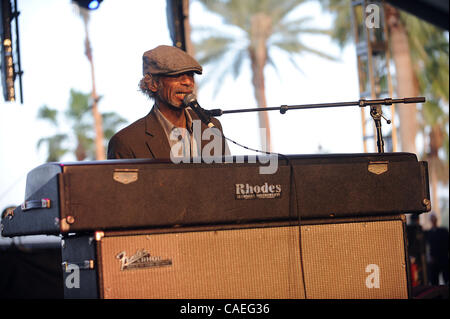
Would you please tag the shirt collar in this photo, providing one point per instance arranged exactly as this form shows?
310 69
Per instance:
168 126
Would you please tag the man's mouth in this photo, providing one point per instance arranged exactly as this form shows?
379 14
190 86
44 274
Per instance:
181 95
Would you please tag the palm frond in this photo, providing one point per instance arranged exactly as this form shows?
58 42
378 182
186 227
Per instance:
342 20
284 34
237 63
111 122
290 24
212 49
271 62
55 149
80 118
293 46
46 113
281 9
230 11
78 105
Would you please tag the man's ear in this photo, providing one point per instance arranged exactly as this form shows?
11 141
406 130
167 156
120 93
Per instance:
151 82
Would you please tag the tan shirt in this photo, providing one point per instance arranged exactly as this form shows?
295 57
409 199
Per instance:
181 140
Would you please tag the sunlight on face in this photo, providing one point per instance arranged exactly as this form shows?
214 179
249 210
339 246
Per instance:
173 89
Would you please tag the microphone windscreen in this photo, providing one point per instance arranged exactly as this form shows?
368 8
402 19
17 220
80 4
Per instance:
189 98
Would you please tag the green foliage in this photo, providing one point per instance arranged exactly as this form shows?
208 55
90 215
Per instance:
78 105
111 121
429 51
228 52
55 148
238 12
342 31
429 47
48 114
80 141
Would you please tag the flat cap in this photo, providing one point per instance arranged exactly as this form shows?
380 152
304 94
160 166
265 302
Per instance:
168 60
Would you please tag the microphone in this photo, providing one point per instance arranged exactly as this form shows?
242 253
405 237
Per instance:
191 100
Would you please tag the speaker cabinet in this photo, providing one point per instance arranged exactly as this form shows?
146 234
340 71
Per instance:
350 259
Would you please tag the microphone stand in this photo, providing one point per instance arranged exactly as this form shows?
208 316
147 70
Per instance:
375 110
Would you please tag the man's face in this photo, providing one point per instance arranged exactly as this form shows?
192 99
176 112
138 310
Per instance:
172 89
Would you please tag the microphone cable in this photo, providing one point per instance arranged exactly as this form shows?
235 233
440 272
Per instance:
205 117
293 192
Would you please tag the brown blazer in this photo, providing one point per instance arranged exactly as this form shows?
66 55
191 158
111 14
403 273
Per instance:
145 138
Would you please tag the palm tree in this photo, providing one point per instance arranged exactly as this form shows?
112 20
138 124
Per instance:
436 136
401 39
406 77
420 54
430 53
80 118
55 149
98 124
262 25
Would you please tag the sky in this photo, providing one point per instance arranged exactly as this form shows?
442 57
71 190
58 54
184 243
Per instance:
53 61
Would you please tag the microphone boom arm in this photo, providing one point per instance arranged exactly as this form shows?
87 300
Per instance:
284 108
374 104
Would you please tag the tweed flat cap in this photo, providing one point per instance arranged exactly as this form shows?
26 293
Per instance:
168 60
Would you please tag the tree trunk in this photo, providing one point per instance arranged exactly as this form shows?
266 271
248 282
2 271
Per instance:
261 26
100 153
80 152
436 141
98 121
406 79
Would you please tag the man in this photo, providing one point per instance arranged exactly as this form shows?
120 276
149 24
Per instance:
171 129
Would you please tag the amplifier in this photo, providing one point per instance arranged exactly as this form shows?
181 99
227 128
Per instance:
322 259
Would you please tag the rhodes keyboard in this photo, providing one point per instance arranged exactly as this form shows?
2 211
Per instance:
65 198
